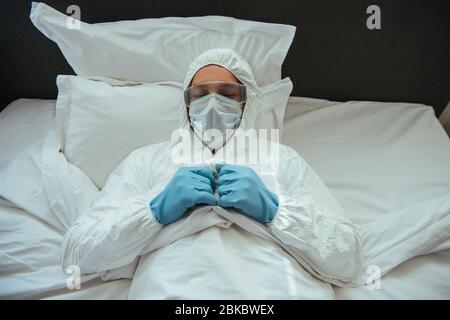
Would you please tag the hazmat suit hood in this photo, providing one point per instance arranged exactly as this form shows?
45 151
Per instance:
236 64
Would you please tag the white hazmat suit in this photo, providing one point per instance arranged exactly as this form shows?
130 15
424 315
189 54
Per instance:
213 252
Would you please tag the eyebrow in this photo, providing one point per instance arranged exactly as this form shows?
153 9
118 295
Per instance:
217 83
229 85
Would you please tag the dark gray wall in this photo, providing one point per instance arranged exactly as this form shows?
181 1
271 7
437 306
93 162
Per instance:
333 55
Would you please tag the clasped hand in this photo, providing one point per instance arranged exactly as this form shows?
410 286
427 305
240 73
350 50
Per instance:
239 187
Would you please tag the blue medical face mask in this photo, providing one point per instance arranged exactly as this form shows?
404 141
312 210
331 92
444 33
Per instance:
215 111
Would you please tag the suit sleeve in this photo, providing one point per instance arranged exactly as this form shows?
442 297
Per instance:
311 223
113 232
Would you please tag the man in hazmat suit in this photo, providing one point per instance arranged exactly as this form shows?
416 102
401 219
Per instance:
214 225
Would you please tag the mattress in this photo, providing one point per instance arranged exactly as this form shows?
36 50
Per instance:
375 157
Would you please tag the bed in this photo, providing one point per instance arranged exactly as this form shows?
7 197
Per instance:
373 135
30 259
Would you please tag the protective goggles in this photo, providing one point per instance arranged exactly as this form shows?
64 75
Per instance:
231 90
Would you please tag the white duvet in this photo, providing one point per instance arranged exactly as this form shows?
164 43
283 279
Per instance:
54 193
25 272
30 265
210 253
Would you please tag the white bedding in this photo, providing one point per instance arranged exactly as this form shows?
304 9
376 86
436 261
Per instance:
375 157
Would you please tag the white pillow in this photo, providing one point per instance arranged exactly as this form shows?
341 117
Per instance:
161 49
272 114
376 157
101 121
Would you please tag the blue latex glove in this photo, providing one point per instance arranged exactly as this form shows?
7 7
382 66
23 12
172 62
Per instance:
240 188
190 186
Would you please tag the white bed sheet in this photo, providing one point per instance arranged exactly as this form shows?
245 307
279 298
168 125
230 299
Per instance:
365 152
32 260
377 158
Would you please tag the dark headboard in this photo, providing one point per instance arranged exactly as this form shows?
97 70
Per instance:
333 56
